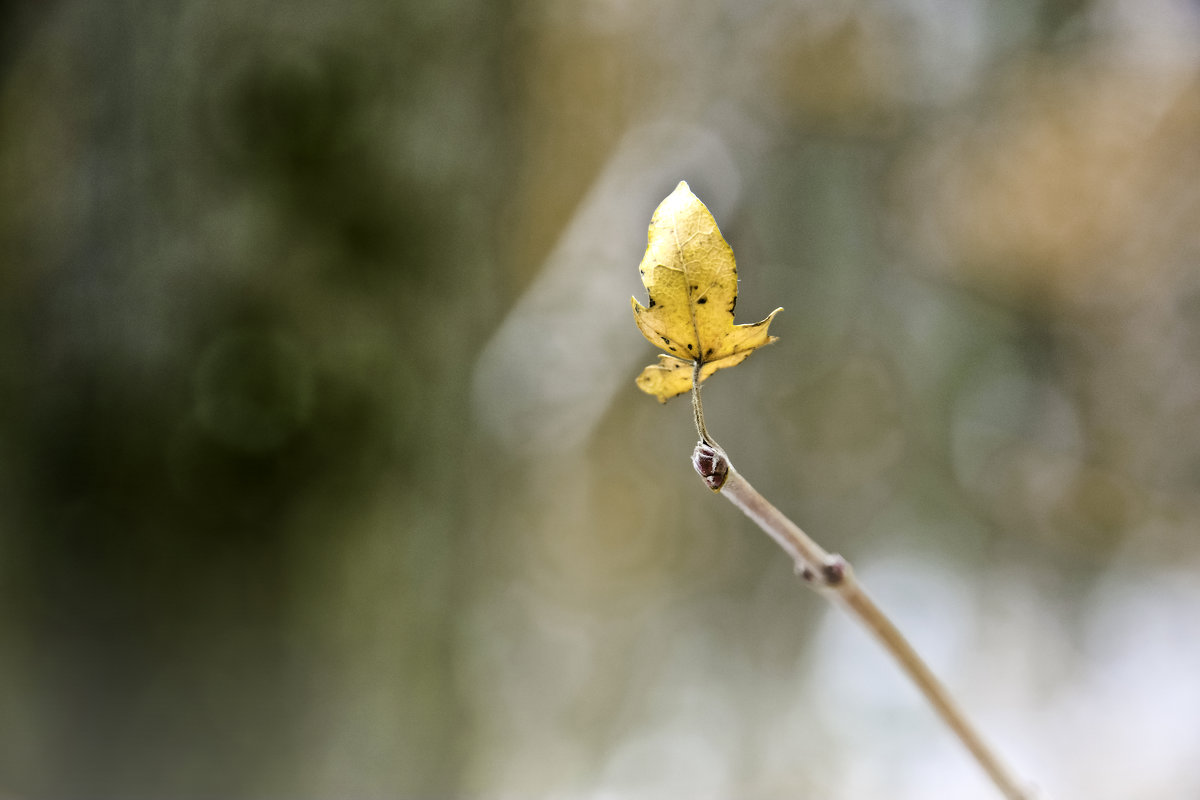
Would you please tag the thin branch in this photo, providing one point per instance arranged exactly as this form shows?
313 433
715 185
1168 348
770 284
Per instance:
832 576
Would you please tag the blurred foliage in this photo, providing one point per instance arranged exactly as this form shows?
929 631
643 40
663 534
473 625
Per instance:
323 474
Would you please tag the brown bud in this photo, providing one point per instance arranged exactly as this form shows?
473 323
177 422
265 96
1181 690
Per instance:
712 465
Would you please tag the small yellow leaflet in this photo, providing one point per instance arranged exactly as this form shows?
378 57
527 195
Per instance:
691 278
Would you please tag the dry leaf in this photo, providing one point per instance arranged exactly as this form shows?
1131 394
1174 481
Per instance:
691 277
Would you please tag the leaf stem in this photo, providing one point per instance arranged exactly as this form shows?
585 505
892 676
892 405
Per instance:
831 575
698 407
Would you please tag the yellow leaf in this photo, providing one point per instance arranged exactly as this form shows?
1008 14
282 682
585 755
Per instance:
691 277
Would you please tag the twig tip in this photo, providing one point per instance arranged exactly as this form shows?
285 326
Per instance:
711 464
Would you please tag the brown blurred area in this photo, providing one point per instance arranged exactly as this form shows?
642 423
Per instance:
323 473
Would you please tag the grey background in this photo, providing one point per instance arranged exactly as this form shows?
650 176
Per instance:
323 474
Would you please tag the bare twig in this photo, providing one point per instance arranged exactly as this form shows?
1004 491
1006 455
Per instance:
832 576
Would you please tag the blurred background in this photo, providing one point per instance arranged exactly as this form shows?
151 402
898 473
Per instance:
322 469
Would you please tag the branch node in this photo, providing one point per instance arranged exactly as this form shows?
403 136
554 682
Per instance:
834 570
711 463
